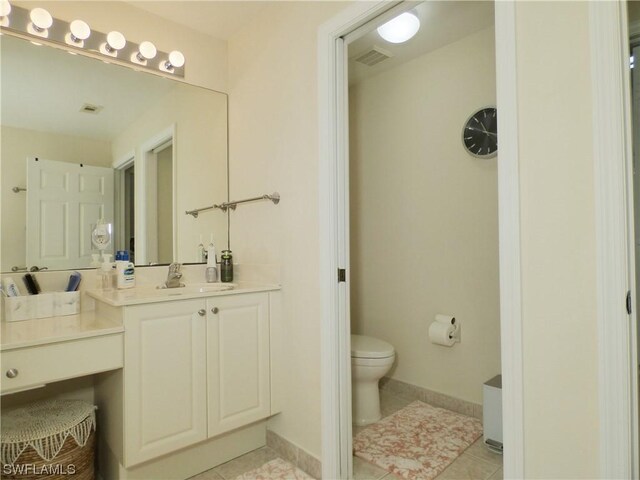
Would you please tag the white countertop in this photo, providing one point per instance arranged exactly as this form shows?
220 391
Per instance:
150 294
40 331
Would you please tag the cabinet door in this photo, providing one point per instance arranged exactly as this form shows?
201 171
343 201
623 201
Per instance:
237 361
165 378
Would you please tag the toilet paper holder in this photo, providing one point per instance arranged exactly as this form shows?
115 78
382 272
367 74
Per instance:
445 330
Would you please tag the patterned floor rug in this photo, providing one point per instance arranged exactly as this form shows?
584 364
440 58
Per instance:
417 442
277 469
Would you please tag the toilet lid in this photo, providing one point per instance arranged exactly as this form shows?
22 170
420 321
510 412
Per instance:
369 347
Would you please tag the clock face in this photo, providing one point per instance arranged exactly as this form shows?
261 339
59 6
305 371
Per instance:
480 133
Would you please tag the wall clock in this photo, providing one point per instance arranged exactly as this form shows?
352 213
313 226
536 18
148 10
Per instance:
480 133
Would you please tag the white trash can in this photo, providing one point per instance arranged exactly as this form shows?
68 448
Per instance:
492 413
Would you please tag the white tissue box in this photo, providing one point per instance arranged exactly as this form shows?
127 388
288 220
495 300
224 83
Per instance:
42 305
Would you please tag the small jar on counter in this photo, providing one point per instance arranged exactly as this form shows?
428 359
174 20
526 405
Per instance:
226 266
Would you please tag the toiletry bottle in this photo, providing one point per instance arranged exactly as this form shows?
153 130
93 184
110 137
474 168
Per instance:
212 263
10 287
74 282
226 266
125 270
105 268
106 276
202 254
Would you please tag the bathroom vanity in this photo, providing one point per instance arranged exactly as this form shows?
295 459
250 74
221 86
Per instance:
201 374
185 378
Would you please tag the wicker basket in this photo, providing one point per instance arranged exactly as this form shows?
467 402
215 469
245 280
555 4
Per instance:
72 460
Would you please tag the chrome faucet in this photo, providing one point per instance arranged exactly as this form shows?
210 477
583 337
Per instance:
174 276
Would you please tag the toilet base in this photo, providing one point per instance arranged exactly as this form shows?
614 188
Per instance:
365 403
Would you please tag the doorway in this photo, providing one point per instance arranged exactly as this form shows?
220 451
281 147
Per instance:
334 178
423 233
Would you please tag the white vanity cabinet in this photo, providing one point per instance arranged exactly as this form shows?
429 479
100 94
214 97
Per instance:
165 378
238 390
195 371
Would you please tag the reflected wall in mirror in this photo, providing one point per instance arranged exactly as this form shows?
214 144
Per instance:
91 140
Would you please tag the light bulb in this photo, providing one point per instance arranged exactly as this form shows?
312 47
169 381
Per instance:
146 51
400 29
5 8
79 31
176 60
115 41
40 19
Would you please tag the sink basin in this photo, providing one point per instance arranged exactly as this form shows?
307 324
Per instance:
195 288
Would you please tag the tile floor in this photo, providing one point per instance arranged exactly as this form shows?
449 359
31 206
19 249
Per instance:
475 463
238 466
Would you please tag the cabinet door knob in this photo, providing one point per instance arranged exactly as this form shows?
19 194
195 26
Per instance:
12 373
214 310
202 312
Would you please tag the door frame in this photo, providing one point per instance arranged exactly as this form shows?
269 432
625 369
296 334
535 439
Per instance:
333 190
615 259
614 212
144 170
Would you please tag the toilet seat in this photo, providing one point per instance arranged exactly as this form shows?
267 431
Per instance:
363 346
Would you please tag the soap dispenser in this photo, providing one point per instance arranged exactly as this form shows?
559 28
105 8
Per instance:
212 263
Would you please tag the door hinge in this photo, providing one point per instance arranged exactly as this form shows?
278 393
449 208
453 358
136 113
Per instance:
342 275
629 302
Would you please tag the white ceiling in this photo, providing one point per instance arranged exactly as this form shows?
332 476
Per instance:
219 19
441 23
43 88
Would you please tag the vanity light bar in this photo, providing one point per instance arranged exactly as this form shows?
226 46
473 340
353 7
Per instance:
77 35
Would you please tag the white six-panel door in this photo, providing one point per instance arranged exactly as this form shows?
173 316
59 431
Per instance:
63 201
237 361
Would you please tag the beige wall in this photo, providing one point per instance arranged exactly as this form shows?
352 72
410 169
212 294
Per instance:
558 240
273 131
200 117
206 57
424 216
16 144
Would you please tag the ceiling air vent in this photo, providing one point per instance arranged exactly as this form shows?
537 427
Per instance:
88 108
373 57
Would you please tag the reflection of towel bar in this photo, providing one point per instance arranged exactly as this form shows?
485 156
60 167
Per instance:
274 197
19 189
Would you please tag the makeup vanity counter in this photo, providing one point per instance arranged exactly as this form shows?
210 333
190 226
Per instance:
45 350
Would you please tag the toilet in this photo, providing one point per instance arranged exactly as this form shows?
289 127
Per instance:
371 359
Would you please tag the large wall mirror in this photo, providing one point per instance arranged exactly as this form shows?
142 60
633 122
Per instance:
84 140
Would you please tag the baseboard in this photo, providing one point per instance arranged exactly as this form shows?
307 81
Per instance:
294 454
431 397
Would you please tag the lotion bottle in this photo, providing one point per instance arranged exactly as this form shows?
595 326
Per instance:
125 270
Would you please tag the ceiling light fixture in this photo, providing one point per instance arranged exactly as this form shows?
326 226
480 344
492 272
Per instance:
400 29
41 20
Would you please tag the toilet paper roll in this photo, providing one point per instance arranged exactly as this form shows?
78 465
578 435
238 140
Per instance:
445 319
442 334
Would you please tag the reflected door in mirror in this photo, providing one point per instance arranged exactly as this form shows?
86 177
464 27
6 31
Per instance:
64 201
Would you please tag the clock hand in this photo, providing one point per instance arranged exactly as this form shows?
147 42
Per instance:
483 131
